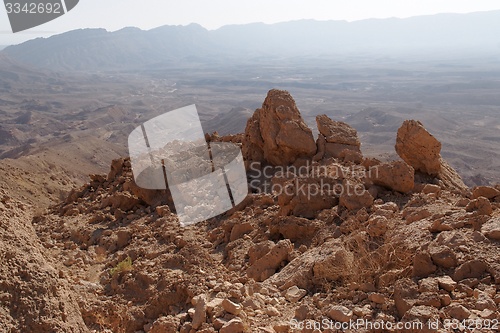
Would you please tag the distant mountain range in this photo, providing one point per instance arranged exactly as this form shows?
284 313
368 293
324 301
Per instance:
129 48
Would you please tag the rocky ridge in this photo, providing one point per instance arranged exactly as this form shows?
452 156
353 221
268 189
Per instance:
395 242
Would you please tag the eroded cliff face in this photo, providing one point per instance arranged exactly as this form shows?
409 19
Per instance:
326 234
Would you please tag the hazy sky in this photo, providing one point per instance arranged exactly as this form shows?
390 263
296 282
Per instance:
147 14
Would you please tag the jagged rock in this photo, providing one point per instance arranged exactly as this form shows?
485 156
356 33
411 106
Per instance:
443 256
335 137
337 131
431 188
422 314
405 294
124 201
377 226
397 176
330 261
422 265
276 133
377 298
240 229
421 150
445 282
470 269
267 265
200 311
484 302
457 311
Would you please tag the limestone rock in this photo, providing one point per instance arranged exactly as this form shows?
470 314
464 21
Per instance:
306 196
167 324
446 283
276 133
337 131
333 263
481 205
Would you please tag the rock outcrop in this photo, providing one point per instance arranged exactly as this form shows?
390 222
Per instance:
276 133
420 149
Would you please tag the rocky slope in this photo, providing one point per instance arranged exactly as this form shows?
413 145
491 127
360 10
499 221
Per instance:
325 237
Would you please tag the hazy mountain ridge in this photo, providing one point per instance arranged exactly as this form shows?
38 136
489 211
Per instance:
128 48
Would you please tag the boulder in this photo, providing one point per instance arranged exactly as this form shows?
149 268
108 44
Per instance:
397 176
420 149
488 192
276 133
491 229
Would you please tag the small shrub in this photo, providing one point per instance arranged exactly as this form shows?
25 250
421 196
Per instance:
123 266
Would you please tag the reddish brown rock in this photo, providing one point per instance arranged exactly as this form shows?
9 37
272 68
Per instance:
355 197
420 149
267 265
405 294
337 139
397 176
276 133
488 192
